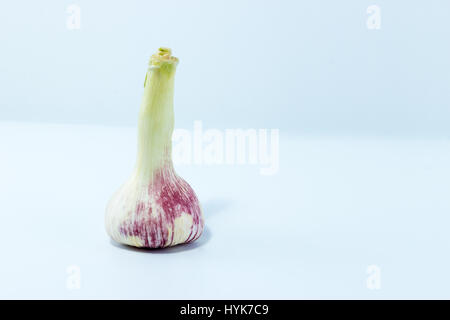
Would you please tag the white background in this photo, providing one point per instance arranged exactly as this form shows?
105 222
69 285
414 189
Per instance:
302 66
364 147
335 207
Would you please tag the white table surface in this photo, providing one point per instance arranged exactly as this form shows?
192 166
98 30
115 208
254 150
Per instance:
336 206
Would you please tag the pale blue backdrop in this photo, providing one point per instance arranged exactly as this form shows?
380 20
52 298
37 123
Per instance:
301 66
364 151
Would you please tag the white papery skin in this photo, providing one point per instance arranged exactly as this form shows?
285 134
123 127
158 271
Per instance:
155 208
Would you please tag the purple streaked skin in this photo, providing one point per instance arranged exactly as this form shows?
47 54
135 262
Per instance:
172 197
155 208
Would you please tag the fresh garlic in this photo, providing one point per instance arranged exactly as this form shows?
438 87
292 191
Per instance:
155 208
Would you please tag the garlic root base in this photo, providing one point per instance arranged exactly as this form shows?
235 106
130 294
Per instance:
160 214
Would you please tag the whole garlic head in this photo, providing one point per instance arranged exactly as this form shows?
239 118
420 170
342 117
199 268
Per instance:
155 208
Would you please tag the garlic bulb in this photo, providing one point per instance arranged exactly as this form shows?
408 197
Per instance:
155 208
